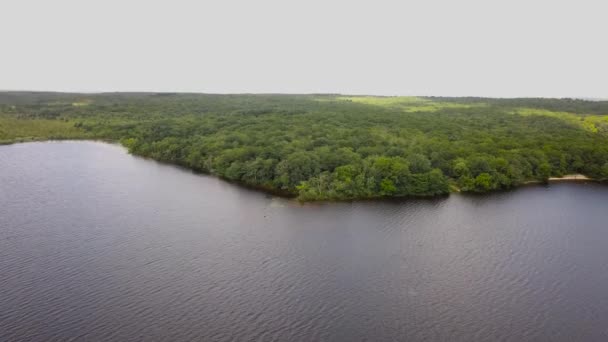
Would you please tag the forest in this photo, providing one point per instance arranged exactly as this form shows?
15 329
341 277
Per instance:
330 146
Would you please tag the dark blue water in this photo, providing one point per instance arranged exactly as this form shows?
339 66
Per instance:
97 245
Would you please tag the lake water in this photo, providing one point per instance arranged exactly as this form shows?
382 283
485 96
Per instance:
98 245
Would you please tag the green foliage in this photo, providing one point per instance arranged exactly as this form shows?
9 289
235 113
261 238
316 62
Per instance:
483 182
604 171
325 147
296 168
544 171
419 163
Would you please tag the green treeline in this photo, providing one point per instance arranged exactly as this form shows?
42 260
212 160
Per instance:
320 147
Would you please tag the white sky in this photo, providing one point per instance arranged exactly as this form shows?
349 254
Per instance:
479 48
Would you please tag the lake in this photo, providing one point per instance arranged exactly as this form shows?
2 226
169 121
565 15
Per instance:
98 245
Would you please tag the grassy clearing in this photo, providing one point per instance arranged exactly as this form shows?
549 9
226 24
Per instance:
591 123
409 104
15 130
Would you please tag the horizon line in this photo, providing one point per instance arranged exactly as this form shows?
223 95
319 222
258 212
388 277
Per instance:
589 98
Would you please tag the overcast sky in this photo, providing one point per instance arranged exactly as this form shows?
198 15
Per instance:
482 48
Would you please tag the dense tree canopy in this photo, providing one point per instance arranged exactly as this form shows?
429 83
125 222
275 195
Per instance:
332 146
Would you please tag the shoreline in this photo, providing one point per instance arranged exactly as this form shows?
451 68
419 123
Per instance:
291 196
564 178
572 177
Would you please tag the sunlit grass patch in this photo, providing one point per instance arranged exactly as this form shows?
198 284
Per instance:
436 106
12 129
410 104
587 122
389 101
82 103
